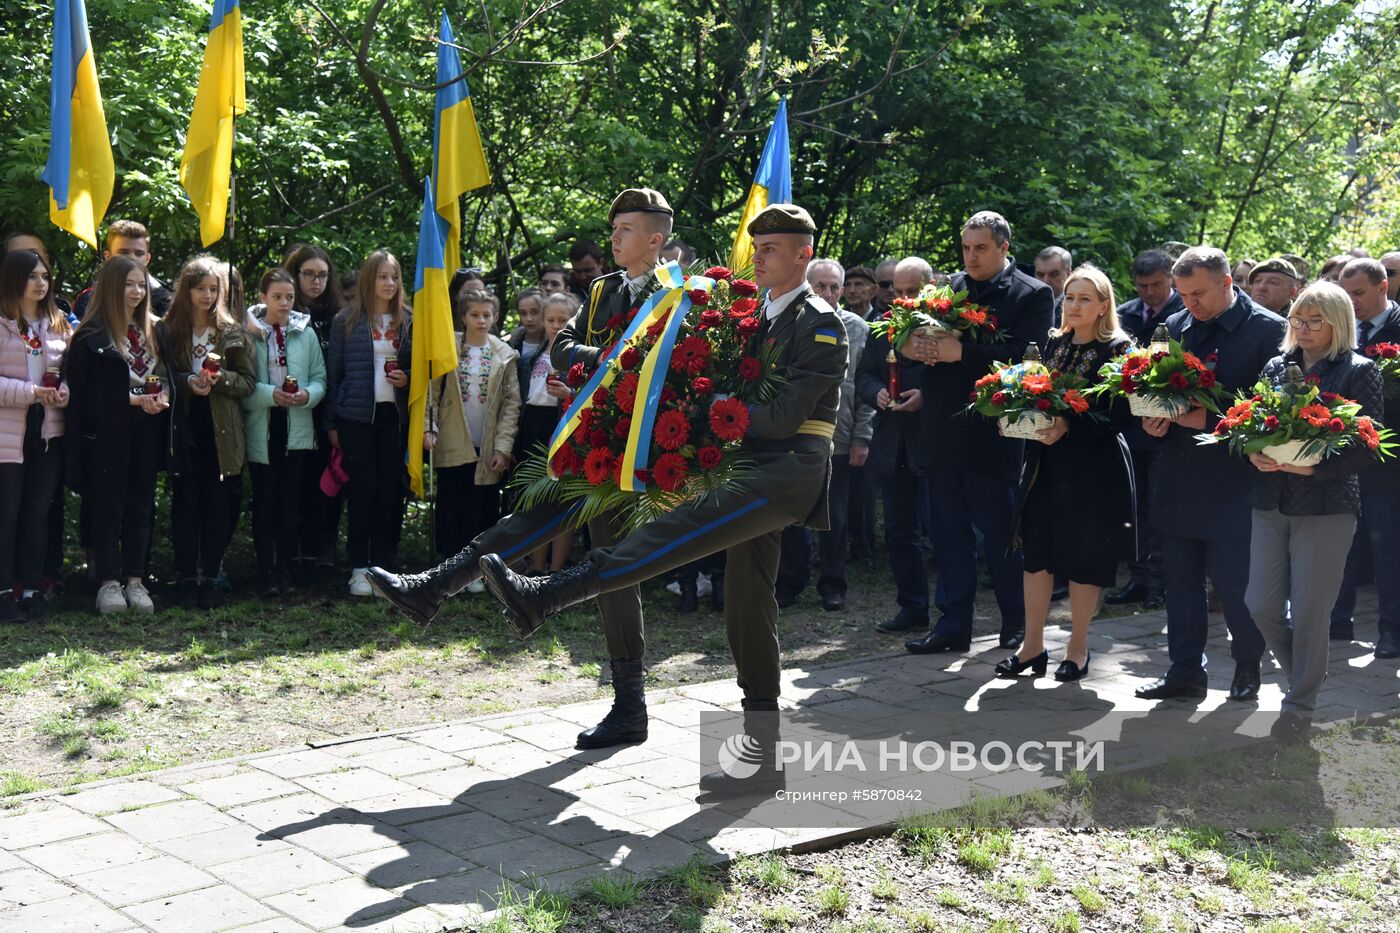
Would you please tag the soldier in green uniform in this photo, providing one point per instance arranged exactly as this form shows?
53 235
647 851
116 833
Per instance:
641 220
789 441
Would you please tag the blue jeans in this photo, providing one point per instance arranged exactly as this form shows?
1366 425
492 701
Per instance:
960 500
1186 562
1378 529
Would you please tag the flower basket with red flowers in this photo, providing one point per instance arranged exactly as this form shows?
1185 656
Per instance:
1297 423
1387 357
662 420
938 309
1026 397
1161 381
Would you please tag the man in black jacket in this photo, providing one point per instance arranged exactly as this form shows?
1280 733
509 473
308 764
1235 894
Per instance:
1156 301
1378 321
1202 495
972 470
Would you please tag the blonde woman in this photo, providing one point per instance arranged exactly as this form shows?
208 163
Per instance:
1303 517
1075 514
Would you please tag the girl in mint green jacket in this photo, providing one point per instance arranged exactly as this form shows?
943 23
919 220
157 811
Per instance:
291 381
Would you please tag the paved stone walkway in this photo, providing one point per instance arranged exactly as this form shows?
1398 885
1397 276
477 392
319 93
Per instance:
423 829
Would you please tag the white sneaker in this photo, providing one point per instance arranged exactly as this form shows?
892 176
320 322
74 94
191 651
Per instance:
359 582
138 599
477 586
110 600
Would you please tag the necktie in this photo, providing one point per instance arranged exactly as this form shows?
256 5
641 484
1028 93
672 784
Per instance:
1364 336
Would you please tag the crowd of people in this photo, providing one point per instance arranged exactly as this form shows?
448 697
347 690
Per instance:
306 387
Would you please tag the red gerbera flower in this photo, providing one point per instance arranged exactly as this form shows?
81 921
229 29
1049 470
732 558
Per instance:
623 427
630 358
598 465
742 307
669 472
597 438
672 430
560 463
750 369
743 287
719 273
729 419
600 397
709 457
625 395
690 355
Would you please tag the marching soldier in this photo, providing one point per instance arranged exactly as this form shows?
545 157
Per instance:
790 442
641 220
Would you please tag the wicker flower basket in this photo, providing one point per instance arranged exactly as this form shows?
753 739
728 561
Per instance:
1292 452
1026 428
1147 407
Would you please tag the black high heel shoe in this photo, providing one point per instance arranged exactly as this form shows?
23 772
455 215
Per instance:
1068 670
1013 665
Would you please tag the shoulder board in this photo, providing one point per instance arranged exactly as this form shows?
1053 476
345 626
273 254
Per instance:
818 303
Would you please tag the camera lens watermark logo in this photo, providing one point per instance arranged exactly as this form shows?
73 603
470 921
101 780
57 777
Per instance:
740 756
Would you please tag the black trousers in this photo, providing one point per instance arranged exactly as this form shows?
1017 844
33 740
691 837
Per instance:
1147 569
277 498
374 458
200 501
43 473
320 513
861 511
121 514
463 509
795 562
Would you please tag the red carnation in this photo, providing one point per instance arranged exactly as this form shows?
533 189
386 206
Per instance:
1177 380
1128 385
597 438
711 318
743 287
690 355
750 369
615 322
1391 351
672 430
623 427
1336 425
630 358
598 465
1043 404
729 419
998 398
1207 379
719 273
702 385
709 457
743 307
600 396
670 472
625 395
576 376
749 326
1271 423
699 297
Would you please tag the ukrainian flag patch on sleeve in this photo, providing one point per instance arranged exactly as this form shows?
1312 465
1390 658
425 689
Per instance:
825 335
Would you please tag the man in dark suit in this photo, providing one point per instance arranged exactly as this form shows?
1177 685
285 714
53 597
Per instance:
972 470
789 442
1377 321
1202 497
641 221
1155 302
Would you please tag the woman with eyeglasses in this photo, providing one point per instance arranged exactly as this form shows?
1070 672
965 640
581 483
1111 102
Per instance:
318 296
1303 516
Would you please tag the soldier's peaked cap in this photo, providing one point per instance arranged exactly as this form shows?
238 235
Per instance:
644 200
782 218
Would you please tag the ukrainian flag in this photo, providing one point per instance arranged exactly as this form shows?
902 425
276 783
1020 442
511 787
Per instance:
772 184
79 172
459 162
434 344
208 158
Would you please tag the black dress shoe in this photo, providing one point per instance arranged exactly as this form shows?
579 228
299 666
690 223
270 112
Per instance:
1011 639
1166 689
1245 684
1132 593
902 623
1388 645
1068 670
1153 601
528 601
833 602
1014 666
934 643
420 595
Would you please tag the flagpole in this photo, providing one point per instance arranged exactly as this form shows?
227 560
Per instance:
232 208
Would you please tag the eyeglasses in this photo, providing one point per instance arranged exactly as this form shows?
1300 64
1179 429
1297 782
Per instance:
1298 323
1391 271
886 283
315 276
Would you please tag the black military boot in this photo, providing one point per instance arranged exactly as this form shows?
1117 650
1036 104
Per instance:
529 600
626 722
752 767
717 591
420 595
690 599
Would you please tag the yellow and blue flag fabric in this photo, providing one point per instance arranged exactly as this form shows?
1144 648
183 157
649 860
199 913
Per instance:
208 158
80 172
459 162
434 344
772 184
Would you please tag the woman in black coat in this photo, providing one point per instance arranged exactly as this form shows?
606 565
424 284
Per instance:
1075 503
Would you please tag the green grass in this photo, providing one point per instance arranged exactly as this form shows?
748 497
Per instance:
611 891
766 872
12 784
833 900
1090 900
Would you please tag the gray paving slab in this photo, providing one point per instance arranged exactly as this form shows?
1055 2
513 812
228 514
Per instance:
136 882
77 913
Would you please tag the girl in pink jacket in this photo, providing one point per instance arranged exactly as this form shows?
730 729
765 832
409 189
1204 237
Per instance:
33 338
